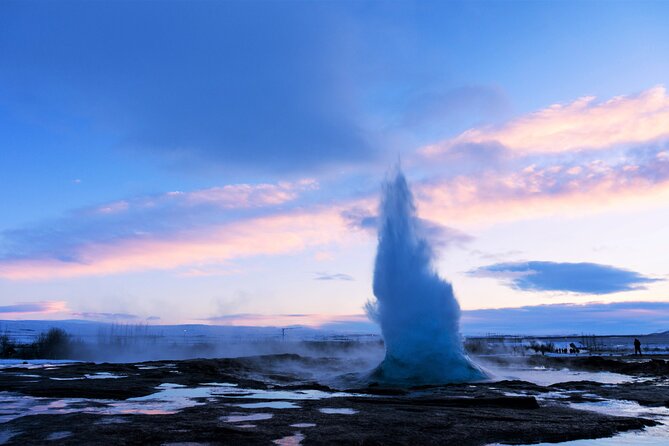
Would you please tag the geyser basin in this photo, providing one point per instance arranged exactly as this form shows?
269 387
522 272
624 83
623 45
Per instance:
417 310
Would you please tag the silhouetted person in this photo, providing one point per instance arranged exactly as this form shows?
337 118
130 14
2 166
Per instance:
637 347
573 348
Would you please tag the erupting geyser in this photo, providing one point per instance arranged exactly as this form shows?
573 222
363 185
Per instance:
417 311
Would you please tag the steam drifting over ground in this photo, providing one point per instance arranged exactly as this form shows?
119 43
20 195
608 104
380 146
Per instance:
417 311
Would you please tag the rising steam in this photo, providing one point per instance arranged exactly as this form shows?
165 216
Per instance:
417 311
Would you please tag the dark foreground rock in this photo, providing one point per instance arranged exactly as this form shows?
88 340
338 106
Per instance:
465 414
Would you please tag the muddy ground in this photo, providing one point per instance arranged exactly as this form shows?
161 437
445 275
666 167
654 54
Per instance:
513 412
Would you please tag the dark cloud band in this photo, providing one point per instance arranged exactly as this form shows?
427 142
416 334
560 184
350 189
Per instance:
585 278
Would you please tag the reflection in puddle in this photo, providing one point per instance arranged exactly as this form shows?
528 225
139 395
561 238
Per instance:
292 440
623 408
303 425
13 406
292 394
340 411
246 417
34 363
651 436
155 367
104 375
546 377
170 398
269 405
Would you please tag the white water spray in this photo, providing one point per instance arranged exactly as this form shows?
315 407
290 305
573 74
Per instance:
417 311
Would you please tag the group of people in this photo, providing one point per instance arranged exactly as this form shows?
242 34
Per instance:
571 350
575 350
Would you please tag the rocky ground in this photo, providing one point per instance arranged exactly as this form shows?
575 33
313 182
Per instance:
80 404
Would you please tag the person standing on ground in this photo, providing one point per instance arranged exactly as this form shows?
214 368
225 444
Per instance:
637 347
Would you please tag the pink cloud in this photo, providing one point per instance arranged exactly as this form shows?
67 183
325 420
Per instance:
553 189
202 232
582 124
33 308
246 195
509 193
272 235
232 196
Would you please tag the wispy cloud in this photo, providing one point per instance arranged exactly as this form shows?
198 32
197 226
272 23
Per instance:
551 186
584 278
147 217
582 124
333 276
198 231
271 235
545 162
34 308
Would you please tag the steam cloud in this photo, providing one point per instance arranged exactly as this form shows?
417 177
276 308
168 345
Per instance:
417 311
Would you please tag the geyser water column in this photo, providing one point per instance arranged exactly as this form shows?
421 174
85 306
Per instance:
417 311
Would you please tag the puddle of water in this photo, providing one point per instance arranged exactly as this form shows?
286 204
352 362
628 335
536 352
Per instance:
104 375
557 395
34 363
13 406
651 436
546 377
292 440
170 398
269 405
513 394
67 379
58 435
339 411
623 408
291 394
246 417
155 367
303 425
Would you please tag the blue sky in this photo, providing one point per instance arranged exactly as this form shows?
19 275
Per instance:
187 161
